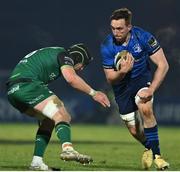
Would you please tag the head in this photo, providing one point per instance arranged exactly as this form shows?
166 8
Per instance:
121 23
80 55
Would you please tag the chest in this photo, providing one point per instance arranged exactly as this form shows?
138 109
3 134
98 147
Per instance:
134 46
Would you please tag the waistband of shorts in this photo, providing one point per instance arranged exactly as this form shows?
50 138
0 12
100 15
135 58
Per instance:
10 83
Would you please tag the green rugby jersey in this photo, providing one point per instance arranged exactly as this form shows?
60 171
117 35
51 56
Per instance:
42 64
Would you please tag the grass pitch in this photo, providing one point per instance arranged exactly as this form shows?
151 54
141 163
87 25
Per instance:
112 148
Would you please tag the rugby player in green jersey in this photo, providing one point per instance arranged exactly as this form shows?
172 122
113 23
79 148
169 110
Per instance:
29 93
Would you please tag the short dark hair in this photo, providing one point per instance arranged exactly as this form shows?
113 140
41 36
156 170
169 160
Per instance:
122 13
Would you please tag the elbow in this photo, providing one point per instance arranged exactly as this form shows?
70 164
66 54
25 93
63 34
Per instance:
109 80
166 68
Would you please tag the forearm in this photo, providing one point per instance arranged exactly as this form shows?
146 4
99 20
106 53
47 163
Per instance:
159 76
114 77
116 80
162 67
76 82
79 84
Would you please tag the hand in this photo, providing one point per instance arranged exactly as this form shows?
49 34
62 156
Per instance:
102 99
127 65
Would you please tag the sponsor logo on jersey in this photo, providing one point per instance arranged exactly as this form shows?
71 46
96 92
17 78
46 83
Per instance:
52 76
36 99
38 139
152 42
13 90
137 48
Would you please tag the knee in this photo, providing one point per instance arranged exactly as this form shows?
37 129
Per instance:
148 117
130 121
46 125
61 116
146 111
55 110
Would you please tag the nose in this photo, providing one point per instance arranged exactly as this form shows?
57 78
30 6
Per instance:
116 32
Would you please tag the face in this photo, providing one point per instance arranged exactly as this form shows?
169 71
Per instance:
120 30
78 67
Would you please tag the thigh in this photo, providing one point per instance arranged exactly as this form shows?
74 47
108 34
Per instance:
27 95
126 102
53 106
35 113
146 109
140 82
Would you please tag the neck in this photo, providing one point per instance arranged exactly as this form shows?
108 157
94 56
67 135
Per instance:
126 41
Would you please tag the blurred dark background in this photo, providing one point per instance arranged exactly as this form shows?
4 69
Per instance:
29 25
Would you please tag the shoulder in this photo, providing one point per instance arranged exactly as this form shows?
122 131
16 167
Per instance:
52 48
64 58
146 39
107 41
142 35
138 29
59 49
107 45
139 32
53 51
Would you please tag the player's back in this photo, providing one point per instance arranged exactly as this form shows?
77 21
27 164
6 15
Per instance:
40 65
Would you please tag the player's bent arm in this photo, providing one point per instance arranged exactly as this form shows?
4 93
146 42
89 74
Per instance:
113 76
78 83
160 61
74 80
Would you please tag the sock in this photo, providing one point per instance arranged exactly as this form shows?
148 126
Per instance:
67 146
153 139
63 132
146 144
41 143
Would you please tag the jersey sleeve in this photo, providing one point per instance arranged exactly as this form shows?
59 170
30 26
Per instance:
65 59
107 57
150 43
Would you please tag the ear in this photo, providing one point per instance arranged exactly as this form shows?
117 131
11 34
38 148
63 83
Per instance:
129 27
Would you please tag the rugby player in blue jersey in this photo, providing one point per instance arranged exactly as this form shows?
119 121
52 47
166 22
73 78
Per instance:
132 83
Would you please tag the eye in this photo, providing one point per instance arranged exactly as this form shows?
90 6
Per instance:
116 28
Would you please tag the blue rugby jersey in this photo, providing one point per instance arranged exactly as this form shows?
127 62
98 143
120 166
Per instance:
141 45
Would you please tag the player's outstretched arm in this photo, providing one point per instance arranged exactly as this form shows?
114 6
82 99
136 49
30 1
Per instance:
78 83
101 98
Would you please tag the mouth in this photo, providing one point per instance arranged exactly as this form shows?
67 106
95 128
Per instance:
118 37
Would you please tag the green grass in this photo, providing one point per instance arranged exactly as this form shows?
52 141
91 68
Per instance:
112 148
